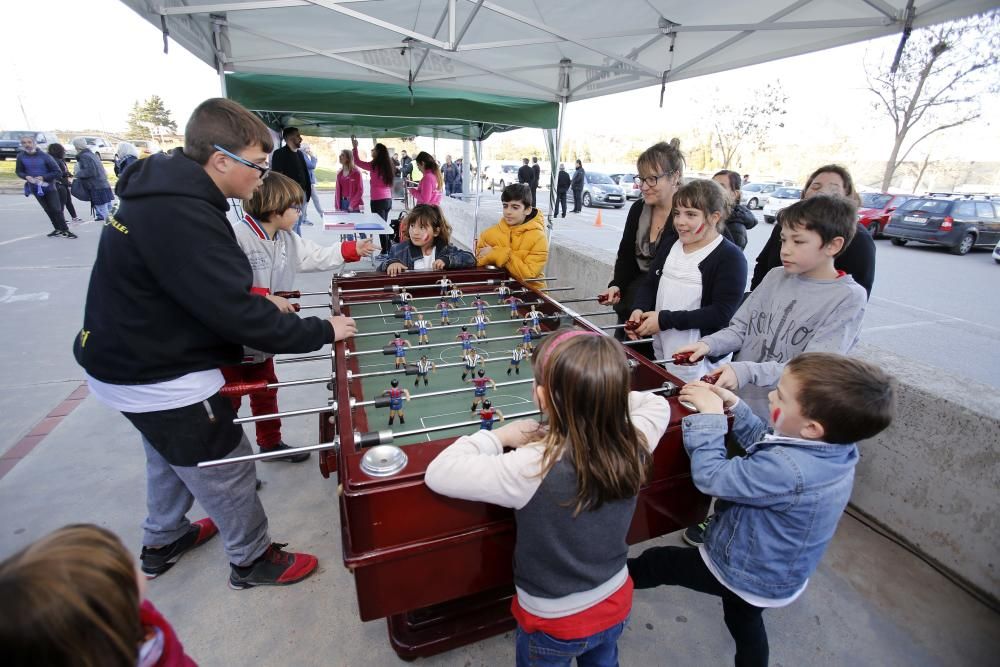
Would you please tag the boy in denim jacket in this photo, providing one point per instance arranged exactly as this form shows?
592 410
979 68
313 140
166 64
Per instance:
778 506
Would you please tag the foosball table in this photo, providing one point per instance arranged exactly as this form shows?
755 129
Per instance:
438 355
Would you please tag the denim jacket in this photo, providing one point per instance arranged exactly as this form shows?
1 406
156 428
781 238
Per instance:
406 253
777 507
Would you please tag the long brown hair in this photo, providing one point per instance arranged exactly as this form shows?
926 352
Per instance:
433 217
586 380
70 599
426 162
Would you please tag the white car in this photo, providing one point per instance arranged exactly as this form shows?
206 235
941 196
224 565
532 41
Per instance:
101 147
996 253
753 195
779 199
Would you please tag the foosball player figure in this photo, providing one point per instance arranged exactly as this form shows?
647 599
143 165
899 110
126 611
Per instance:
503 292
445 284
444 307
408 312
534 317
480 321
466 339
400 344
471 361
424 366
514 303
488 415
396 398
481 304
526 333
422 327
479 383
456 296
516 355
404 296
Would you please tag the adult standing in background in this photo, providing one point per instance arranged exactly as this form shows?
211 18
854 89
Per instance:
459 177
562 187
536 176
380 184
857 259
431 181
125 154
291 162
524 174
395 164
349 195
741 218
576 184
58 154
406 166
90 172
311 162
40 173
450 173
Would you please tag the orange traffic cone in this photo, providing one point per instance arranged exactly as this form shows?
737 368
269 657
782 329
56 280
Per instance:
597 222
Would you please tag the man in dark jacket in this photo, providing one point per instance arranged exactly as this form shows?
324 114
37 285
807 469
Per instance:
536 176
579 176
406 166
290 161
168 304
562 186
40 172
525 176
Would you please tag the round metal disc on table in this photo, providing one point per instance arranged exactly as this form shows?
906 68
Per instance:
383 461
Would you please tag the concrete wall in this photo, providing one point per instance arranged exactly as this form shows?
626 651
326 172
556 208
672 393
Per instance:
932 478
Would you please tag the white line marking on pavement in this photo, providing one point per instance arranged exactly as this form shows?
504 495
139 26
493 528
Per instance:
22 238
934 312
907 325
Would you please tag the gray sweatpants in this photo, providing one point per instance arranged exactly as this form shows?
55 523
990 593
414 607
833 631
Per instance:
228 493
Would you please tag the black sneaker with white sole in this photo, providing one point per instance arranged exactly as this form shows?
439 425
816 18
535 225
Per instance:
157 561
68 235
54 233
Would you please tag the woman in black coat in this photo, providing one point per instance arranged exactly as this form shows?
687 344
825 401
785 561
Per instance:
741 218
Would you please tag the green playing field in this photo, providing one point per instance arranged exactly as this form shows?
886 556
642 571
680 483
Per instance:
512 394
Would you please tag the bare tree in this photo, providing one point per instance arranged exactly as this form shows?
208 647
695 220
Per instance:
943 72
749 125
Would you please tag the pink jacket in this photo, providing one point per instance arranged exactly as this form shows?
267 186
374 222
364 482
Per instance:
350 186
380 189
427 192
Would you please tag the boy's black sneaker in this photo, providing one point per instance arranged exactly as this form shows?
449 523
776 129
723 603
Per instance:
695 535
274 567
157 561
68 234
295 457
54 233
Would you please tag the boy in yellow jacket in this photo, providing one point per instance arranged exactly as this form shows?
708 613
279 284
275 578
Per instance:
516 243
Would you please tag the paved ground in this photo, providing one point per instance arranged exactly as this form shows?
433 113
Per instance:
870 603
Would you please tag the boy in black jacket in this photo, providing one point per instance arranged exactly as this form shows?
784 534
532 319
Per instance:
168 304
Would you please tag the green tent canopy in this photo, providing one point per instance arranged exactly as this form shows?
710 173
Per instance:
337 108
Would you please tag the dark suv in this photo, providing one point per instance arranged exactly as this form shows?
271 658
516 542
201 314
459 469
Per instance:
958 222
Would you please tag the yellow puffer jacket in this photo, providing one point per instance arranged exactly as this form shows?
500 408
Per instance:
521 249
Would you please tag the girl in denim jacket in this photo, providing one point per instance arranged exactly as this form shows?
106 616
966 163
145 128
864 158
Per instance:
428 246
778 506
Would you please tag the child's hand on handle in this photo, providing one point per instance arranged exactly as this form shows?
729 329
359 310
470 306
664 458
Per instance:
283 304
484 251
610 296
395 268
343 326
439 265
632 324
365 247
519 433
649 324
697 350
703 396
725 378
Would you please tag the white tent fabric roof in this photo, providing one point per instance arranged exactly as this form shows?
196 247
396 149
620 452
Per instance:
555 50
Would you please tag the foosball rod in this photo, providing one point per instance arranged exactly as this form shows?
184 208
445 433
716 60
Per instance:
380 402
400 288
377 437
440 327
399 313
410 369
370 317
389 350
438 297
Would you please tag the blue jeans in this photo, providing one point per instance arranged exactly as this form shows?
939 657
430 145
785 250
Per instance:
537 649
103 210
298 223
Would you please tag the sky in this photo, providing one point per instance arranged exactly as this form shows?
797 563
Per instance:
49 88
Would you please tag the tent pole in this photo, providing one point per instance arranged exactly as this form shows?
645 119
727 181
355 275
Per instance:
466 173
479 191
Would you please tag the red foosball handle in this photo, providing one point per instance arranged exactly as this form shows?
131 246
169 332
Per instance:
296 307
294 294
243 388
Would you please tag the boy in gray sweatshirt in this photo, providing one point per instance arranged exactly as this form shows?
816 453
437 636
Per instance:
806 305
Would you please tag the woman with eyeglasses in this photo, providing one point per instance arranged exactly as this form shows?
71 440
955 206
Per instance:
660 169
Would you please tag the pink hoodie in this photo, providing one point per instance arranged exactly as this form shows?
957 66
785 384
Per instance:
380 189
427 192
350 186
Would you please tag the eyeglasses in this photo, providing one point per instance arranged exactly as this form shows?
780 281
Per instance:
264 171
297 208
650 181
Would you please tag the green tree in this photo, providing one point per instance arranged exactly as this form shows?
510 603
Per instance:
146 115
943 73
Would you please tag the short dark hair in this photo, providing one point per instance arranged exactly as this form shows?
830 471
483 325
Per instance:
277 193
662 156
706 196
852 399
735 182
433 217
218 121
525 160
828 216
517 192
845 176
57 151
288 131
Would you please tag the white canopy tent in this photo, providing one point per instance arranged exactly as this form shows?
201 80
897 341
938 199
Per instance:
553 50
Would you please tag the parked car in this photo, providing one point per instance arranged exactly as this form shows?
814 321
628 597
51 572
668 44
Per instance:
876 207
600 190
996 253
627 183
500 176
10 141
102 148
145 147
958 222
779 199
753 195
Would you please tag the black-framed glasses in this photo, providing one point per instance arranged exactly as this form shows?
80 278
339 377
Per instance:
264 171
649 181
